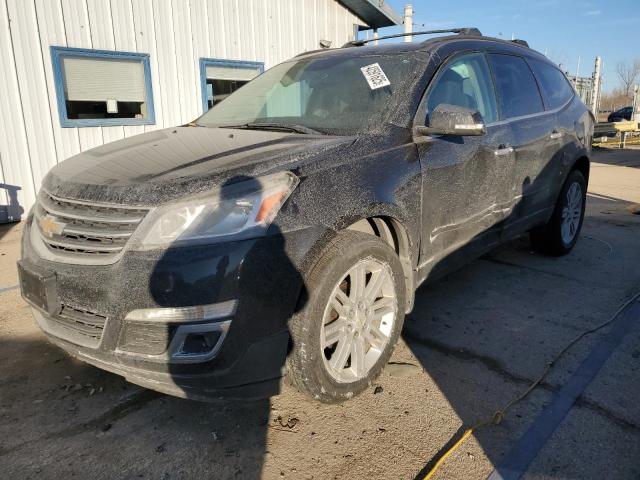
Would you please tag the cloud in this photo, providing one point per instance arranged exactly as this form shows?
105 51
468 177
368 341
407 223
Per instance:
592 13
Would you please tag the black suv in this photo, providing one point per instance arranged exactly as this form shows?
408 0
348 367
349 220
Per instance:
620 115
287 229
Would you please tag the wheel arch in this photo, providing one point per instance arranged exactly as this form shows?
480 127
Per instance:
393 232
583 165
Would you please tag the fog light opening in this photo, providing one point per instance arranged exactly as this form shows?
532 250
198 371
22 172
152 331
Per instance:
200 343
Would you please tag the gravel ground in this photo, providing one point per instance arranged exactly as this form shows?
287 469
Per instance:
475 340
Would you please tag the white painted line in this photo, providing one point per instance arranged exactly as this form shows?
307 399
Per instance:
8 289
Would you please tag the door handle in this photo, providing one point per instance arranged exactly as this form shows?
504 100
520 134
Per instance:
555 135
503 150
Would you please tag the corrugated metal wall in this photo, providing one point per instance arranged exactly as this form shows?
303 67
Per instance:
176 34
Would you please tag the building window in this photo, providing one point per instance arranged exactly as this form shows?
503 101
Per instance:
220 78
102 88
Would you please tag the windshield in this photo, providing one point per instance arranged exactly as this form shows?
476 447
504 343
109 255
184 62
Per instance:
330 95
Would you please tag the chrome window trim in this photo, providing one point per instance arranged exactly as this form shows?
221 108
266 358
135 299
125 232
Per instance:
421 110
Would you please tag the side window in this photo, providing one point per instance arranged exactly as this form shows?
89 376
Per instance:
465 83
516 88
555 87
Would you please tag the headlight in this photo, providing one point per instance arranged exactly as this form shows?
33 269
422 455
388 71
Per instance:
241 210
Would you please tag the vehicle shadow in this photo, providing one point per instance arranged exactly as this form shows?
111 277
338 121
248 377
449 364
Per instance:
88 423
235 387
463 331
621 157
485 332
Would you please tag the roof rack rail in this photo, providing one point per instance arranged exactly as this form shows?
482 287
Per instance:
524 43
460 31
301 54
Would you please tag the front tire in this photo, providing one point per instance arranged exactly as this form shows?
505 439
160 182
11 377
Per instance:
561 233
344 333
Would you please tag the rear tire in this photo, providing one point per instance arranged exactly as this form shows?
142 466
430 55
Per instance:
350 320
561 233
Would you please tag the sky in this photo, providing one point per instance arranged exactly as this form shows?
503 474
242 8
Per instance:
564 29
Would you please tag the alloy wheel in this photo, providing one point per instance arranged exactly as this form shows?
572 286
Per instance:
571 213
358 320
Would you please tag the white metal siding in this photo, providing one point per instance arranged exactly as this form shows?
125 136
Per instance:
175 33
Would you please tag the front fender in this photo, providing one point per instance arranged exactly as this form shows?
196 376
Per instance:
386 183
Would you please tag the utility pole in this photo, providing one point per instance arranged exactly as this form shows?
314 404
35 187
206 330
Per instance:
408 21
595 85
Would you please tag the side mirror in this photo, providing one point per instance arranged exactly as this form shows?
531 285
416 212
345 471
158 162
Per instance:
453 120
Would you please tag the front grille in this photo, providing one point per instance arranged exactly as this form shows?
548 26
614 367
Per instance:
74 227
81 321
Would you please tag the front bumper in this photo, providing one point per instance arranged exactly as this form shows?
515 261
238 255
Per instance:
262 276
257 373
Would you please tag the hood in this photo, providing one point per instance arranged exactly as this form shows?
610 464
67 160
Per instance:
162 165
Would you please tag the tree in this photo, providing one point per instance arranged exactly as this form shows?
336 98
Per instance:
613 100
628 74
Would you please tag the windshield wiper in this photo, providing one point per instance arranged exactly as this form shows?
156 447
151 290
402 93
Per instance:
275 126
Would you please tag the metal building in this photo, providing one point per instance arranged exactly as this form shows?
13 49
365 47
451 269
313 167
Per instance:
77 74
589 89
583 87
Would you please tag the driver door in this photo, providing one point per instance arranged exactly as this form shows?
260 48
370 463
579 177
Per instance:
466 180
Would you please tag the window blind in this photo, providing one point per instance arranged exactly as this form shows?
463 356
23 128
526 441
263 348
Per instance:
231 73
100 79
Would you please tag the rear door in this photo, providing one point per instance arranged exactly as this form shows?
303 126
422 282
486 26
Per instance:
466 179
558 94
534 132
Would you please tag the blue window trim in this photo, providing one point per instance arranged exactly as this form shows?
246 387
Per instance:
207 62
57 53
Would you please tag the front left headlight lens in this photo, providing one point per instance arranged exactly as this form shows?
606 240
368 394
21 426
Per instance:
241 210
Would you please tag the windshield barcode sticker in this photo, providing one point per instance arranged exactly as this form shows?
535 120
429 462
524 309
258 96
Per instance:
375 76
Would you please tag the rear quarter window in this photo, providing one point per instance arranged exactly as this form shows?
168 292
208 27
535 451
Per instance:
516 87
554 85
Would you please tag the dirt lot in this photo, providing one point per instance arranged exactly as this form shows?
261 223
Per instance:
474 340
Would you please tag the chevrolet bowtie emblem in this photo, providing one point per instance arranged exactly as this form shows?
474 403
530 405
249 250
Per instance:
50 226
